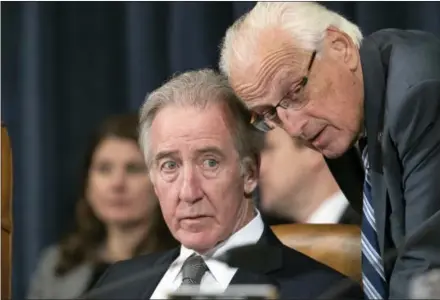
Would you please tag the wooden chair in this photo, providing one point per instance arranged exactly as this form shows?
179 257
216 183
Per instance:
335 245
6 215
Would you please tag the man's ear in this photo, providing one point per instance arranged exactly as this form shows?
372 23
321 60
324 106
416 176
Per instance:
250 175
341 48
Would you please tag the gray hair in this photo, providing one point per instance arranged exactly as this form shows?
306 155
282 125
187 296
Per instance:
199 89
306 22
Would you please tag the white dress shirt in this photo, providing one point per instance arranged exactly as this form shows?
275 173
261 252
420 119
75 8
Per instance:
219 275
330 211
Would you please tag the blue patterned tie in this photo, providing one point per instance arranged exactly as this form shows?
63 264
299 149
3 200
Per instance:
373 277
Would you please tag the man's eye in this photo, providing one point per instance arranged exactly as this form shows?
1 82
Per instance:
295 90
169 165
210 163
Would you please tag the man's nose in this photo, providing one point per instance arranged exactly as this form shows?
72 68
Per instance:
291 121
191 190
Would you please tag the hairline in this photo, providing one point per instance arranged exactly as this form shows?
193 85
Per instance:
225 102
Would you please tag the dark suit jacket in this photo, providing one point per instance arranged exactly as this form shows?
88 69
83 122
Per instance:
401 71
296 275
350 217
349 174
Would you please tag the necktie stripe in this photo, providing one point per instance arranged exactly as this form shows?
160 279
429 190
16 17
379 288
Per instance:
369 231
367 194
373 275
370 290
368 180
368 211
372 256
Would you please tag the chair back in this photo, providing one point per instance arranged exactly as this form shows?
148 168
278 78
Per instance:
6 214
335 245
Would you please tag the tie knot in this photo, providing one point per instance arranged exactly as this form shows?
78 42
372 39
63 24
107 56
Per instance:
193 270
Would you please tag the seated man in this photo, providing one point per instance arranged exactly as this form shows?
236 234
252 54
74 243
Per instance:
202 155
296 184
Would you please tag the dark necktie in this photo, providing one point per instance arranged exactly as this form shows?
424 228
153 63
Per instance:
373 277
193 270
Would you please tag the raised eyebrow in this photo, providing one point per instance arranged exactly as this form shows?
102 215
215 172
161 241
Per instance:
214 150
164 154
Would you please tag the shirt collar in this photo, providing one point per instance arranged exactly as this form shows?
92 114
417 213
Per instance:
249 234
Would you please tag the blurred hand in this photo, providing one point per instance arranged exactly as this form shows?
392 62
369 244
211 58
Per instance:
426 286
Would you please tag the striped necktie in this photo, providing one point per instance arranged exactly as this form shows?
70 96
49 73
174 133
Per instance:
373 276
193 270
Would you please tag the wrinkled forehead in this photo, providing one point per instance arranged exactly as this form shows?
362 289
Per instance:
262 88
185 127
265 73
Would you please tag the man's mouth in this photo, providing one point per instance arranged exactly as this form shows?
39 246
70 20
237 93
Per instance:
195 217
317 140
316 135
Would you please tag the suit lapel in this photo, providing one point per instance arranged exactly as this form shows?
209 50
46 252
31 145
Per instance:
257 273
245 277
165 260
374 110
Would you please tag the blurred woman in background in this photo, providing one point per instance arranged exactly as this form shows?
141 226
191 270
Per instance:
117 216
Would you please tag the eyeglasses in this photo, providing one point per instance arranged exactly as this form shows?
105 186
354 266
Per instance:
294 99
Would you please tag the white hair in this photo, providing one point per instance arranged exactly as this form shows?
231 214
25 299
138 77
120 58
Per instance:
306 22
200 89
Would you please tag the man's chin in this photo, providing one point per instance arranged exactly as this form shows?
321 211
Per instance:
334 150
337 147
331 154
327 152
198 242
311 146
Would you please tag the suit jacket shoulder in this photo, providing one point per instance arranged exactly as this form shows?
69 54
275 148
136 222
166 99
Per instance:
411 58
129 279
401 77
402 112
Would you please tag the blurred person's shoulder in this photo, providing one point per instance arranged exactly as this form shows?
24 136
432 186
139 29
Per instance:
50 255
139 265
141 261
129 278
